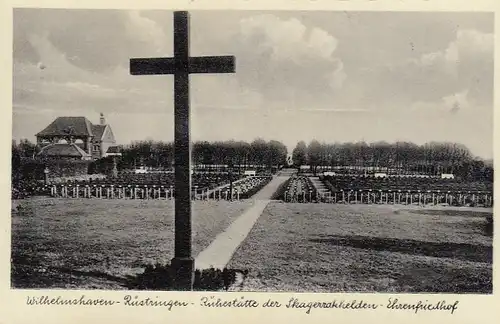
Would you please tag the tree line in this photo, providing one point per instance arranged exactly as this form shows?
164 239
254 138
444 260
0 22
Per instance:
159 154
429 158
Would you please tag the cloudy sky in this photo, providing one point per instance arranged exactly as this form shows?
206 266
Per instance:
332 76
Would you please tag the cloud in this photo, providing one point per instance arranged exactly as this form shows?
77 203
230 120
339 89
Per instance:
282 58
457 102
465 62
470 46
65 87
288 63
288 40
453 104
147 31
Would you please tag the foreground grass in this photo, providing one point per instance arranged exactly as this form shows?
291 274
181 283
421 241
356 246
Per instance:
362 248
58 243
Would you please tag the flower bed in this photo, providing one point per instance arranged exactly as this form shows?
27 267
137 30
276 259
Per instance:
251 186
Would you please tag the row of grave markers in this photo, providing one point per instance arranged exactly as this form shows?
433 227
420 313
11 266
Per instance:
393 197
136 192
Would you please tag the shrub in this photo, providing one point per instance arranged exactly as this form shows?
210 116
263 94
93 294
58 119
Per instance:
101 166
34 168
159 277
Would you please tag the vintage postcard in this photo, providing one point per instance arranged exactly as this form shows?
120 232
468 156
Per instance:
249 160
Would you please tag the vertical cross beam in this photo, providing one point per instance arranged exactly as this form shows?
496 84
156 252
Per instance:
181 65
182 263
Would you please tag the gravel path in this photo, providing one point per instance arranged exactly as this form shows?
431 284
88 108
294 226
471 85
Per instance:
221 250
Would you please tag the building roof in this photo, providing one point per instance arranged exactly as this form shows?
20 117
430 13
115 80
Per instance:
61 126
113 150
71 150
81 145
98 130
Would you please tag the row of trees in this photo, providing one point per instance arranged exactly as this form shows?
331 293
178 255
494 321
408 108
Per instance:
429 158
161 154
24 149
21 152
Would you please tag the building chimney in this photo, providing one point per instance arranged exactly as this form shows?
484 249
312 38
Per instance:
102 120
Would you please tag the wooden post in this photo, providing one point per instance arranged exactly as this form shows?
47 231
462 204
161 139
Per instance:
231 180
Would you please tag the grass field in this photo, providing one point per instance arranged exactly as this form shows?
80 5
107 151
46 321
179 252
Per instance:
67 243
367 248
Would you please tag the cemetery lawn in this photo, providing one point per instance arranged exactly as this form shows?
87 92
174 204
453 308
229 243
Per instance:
95 244
367 248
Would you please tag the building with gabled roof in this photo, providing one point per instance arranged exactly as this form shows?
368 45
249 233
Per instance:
64 151
76 138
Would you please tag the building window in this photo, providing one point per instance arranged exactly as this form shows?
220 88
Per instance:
96 147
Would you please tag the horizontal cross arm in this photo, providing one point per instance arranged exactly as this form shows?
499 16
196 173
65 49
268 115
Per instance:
199 64
212 64
150 66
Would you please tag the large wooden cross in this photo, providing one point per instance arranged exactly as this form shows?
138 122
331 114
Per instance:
181 65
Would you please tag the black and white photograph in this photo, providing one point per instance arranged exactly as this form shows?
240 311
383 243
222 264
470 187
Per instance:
252 151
